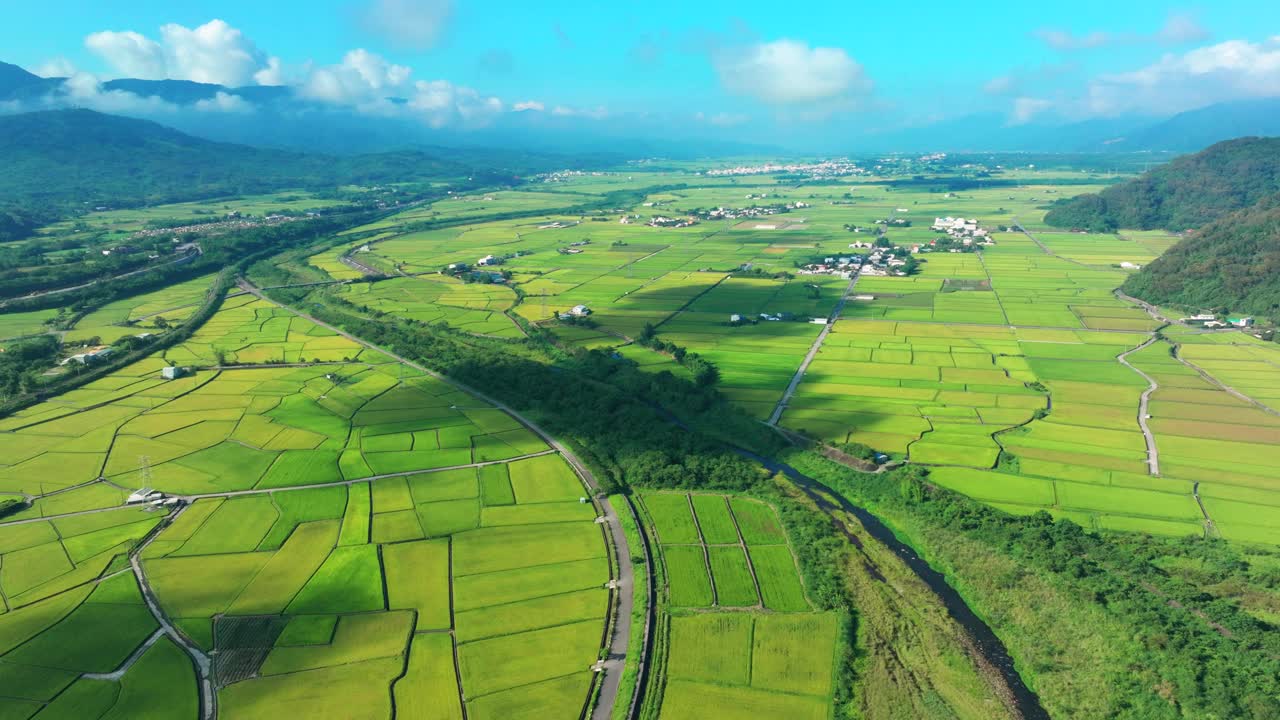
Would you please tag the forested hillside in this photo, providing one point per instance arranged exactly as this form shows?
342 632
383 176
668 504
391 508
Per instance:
84 155
1186 193
1232 263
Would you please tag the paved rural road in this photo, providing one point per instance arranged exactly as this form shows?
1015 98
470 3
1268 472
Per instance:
616 659
1153 455
813 352
204 667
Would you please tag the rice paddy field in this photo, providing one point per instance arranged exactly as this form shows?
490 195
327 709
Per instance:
350 533
998 370
737 628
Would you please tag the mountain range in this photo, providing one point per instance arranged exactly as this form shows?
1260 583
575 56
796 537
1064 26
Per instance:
279 116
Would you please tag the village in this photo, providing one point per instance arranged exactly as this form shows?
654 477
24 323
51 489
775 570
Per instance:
825 169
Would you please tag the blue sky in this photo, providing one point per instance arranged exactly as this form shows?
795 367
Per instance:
722 63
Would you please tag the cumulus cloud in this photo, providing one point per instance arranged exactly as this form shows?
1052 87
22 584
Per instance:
528 105
130 53
413 23
362 77
225 103
440 103
56 67
211 53
271 74
789 72
1229 70
85 90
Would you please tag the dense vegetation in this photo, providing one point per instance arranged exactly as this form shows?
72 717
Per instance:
613 413
1231 264
1186 193
1075 607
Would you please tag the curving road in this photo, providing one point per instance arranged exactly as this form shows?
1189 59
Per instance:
613 665
1153 455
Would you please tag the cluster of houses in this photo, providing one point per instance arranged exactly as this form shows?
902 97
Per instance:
965 230
661 221
233 222
844 267
825 169
882 263
1210 320
723 213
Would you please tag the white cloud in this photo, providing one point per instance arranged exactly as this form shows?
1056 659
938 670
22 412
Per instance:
528 105
789 72
361 78
225 103
1026 108
211 53
131 54
440 103
56 67
1229 70
85 90
272 74
413 23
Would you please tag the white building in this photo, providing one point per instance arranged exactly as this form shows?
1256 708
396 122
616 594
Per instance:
487 260
90 356
172 372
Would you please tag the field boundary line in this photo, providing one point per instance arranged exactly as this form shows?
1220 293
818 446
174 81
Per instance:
742 543
1221 385
706 554
129 661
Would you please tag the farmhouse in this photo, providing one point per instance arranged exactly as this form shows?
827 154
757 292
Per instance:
172 372
1241 321
90 356
488 260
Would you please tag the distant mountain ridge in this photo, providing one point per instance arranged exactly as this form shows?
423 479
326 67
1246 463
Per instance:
278 116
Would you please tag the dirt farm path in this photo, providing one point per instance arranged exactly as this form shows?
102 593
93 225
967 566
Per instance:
813 352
